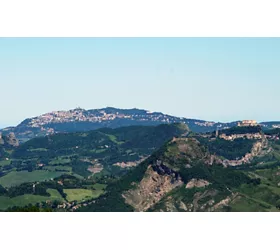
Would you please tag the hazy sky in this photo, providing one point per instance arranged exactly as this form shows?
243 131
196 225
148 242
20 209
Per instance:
220 79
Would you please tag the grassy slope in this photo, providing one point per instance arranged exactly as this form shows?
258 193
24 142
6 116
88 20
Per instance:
82 194
16 178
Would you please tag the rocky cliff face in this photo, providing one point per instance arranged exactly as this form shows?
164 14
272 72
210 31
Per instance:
164 175
156 183
260 148
9 140
12 140
1 139
182 176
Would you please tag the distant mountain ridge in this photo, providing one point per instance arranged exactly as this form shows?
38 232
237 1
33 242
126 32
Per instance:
78 120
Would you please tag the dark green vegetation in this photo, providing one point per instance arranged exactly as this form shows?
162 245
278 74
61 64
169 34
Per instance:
241 130
103 148
231 150
185 160
141 168
91 159
7 144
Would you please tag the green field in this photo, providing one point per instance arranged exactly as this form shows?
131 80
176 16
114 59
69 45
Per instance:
98 151
15 178
38 150
24 200
248 205
55 195
82 194
4 163
99 186
113 138
271 175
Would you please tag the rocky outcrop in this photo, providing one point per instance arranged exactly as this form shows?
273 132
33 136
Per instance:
1 139
157 182
197 183
260 148
12 140
130 163
248 136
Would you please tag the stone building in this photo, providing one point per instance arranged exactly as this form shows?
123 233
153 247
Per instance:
248 123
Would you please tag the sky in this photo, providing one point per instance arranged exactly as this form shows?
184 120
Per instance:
215 79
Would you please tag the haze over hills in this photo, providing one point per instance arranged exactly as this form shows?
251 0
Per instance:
78 120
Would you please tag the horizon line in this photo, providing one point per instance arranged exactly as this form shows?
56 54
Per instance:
143 109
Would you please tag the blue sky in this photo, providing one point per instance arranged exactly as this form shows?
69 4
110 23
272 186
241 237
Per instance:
220 79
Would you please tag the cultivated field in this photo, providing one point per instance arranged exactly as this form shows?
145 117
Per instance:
15 178
82 194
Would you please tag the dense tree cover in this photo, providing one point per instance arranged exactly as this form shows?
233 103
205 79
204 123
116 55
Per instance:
278 204
3 191
231 150
107 145
3 153
139 138
4 147
275 131
242 130
29 208
25 188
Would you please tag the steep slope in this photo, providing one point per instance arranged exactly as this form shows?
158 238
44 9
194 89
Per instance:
7 143
178 177
243 146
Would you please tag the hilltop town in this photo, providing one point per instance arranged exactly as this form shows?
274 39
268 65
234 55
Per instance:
79 119
107 114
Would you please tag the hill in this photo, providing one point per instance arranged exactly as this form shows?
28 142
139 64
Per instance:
144 168
35 171
81 120
101 151
184 175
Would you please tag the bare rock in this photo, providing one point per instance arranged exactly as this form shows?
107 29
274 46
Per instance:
1 139
197 183
152 188
12 140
